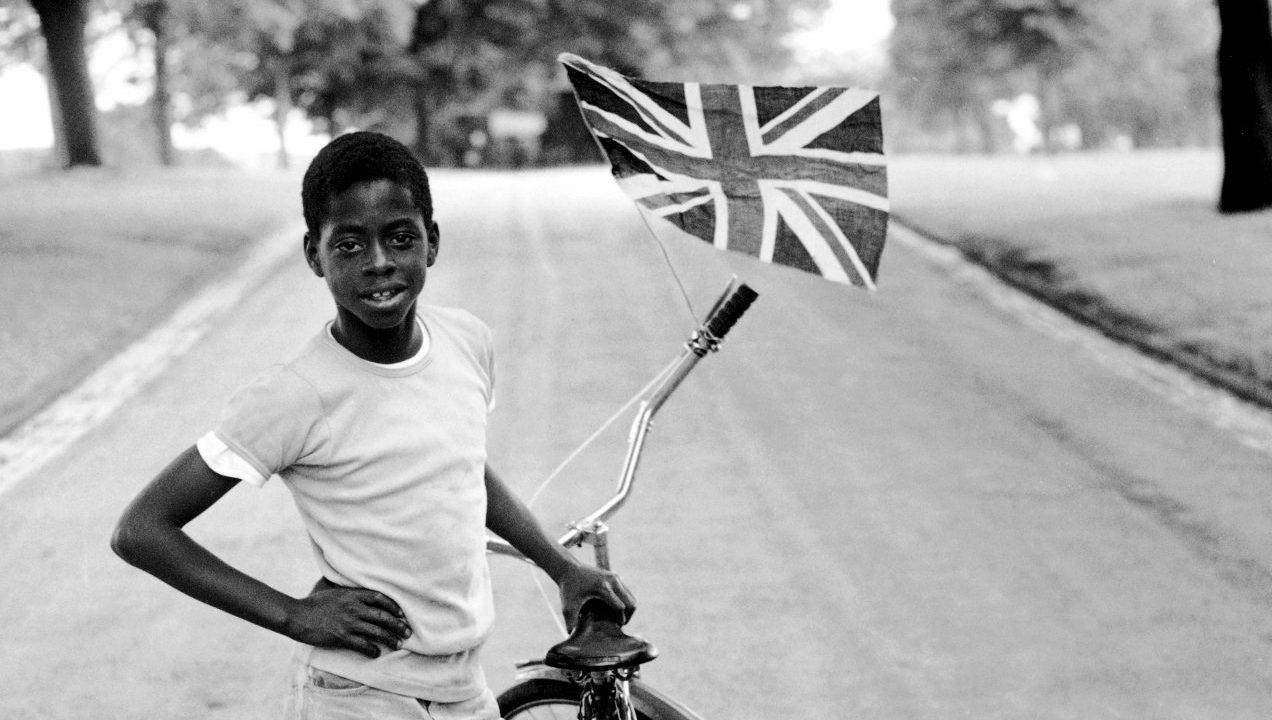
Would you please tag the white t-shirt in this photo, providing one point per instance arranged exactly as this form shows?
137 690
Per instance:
386 466
225 461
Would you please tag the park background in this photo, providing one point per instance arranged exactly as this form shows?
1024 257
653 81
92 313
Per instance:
1076 149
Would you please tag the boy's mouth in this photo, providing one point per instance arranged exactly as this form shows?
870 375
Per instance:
384 295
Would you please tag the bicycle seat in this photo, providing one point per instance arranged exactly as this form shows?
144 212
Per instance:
599 643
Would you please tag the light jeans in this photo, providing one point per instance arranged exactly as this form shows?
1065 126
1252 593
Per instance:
319 695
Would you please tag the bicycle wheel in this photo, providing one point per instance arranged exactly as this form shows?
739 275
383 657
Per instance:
543 699
540 700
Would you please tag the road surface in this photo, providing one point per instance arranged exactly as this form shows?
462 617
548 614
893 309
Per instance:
906 504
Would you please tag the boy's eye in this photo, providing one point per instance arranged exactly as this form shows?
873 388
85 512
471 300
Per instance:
402 239
347 247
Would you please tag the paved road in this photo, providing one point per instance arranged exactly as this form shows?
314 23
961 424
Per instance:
900 505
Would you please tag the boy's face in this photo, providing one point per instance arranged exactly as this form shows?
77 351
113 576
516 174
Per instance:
374 250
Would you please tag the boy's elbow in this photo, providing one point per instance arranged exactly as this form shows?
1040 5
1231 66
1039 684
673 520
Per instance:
128 540
122 542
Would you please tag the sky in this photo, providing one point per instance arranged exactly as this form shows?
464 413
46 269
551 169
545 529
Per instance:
857 28
851 31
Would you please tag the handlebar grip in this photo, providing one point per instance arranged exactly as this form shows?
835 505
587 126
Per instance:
723 319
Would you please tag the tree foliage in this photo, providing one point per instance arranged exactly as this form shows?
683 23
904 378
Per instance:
432 70
476 54
265 48
1149 77
943 74
1137 69
428 69
348 70
20 39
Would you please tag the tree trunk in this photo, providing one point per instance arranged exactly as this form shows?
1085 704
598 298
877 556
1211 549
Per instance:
984 122
62 25
1245 104
282 107
154 16
1048 105
423 107
59 131
566 138
966 139
430 39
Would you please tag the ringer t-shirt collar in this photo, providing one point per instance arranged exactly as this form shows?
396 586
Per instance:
404 367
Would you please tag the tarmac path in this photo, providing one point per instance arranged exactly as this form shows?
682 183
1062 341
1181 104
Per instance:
906 504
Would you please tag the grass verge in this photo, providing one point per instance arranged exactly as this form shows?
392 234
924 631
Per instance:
1128 243
90 259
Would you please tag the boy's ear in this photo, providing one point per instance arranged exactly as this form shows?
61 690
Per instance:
434 238
310 244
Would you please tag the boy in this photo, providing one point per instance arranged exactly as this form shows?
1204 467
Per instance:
378 428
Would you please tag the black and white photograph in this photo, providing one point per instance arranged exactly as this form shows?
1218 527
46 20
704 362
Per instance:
649 360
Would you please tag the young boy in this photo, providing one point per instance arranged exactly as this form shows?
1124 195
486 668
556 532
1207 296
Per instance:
378 428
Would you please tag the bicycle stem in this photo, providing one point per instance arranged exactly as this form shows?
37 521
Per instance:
592 526
694 351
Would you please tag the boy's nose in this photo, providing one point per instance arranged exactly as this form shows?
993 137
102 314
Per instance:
379 258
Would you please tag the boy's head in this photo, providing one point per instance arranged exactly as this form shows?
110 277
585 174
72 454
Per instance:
370 233
361 157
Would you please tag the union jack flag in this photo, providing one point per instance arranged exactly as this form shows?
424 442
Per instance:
790 175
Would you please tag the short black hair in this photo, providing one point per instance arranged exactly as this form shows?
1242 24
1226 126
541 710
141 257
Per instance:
361 157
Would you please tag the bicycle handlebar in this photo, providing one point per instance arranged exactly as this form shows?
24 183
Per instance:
728 309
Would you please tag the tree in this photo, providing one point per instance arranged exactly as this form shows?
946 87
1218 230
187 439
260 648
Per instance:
156 17
1045 36
62 24
944 73
1148 77
474 54
348 62
317 55
1245 104
957 54
262 30
1137 70
350 69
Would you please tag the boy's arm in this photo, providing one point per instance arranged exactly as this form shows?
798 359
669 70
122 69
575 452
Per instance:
150 536
510 519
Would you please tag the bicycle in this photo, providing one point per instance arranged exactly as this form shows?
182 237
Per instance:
594 674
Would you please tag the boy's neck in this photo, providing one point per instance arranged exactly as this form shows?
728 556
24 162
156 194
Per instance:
383 346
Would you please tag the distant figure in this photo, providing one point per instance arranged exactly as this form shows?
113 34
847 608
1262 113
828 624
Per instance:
1021 115
378 428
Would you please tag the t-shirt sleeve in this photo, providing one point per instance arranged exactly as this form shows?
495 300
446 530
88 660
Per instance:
225 461
273 422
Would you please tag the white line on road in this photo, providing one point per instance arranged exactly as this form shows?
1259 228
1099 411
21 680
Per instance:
1249 423
51 431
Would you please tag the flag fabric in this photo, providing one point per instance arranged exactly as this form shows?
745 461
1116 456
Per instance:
790 175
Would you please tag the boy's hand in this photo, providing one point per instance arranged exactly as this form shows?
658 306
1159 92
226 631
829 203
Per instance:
351 618
581 583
